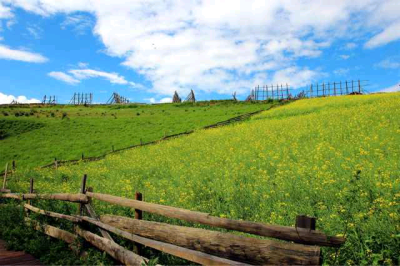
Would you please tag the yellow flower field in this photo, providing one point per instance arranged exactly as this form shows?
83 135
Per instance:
335 158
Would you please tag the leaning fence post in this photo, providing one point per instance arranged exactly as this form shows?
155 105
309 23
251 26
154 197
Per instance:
303 221
82 191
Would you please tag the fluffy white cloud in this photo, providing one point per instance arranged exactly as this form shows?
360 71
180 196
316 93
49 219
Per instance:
91 73
393 88
294 76
6 99
20 55
163 100
389 34
226 45
74 76
63 77
344 56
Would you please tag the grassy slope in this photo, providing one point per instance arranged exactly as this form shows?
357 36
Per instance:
334 158
40 137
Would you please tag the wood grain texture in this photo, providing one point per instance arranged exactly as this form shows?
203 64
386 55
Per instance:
188 254
114 250
229 246
298 235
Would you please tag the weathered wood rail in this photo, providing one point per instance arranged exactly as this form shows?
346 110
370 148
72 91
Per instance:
201 246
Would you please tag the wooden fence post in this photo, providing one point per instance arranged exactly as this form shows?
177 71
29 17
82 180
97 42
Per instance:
30 191
55 163
359 86
82 191
303 221
5 177
13 166
139 216
138 213
83 157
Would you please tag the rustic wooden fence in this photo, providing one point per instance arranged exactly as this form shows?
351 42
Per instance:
197 245
285 92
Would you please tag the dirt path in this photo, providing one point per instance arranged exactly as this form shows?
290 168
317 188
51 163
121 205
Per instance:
8 257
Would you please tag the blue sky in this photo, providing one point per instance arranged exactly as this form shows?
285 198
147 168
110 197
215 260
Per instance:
145 50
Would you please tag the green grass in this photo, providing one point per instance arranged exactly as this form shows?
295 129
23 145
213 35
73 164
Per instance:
35 136
335 158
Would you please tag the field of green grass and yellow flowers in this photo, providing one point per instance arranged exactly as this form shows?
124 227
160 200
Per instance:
35 135
335 158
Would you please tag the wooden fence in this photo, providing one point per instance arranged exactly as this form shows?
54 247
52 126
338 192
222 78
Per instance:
201 246
285 92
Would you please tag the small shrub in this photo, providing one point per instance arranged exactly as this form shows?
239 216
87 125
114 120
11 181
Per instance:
64 115
52 114
137 114
5 113
3 134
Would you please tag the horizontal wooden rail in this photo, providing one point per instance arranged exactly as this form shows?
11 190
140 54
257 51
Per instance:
55 232
188 254
226 245
53 214
191 255
298 235
114 250
81 198
4 190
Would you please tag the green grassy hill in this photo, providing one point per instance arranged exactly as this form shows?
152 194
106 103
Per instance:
335 158
34 136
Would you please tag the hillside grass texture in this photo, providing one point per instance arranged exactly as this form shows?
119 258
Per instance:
34 136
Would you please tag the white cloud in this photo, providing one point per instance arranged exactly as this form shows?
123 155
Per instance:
294 76
344 56
389 34
75 76
63 77
20 55
80 23
114 78
6 99
163 100
136 85
393 88
388 63
223 46
5 12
